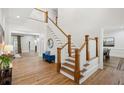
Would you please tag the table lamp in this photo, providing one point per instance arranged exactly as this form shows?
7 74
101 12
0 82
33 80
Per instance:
8 49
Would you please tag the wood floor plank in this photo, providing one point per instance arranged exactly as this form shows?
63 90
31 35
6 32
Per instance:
30 69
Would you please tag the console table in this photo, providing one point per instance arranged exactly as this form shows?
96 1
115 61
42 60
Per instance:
6 76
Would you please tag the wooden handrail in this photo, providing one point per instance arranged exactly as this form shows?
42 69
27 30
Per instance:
35 19
58 27
83 45
40 10
64 45
46 20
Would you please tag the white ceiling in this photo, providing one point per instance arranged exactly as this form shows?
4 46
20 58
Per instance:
26 21
12 13
26 14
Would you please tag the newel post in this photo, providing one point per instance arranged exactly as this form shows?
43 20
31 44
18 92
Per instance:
77 66
96 38
46 17
59 59
87 47
69 45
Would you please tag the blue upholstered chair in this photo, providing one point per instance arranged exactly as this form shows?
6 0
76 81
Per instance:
47 57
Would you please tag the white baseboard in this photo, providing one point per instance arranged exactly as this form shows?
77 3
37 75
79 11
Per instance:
117 52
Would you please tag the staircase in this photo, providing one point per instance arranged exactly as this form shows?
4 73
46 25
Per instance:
70 65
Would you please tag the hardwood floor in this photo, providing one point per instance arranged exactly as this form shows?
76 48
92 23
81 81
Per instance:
112 74
30 69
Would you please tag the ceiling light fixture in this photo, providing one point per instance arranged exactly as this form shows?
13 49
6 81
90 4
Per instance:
17 16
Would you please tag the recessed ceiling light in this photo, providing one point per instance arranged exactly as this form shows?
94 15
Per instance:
17 16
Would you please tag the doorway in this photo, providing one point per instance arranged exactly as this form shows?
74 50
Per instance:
112 47
25 44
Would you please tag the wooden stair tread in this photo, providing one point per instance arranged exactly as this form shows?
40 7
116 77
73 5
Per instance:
84 70
72 51
73 46
81 76
69 65
67 71
70 60
85 65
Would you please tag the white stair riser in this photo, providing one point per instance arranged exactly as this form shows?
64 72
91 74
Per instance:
70 63
71 58
68 68
67 75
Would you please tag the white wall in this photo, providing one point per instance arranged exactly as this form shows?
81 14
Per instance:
81 21
118 49
0 16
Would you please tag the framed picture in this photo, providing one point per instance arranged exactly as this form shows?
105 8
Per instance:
1 34
50 43
109 42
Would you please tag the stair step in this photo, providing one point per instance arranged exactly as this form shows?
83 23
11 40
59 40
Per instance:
86 65
84 70
58 40
73 46
59 43
70 60
72 51
73 56
69 65
67 71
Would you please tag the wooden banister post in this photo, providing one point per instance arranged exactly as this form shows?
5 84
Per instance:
87 47
96 38
77 66
56 20
46 17
59 59
69 45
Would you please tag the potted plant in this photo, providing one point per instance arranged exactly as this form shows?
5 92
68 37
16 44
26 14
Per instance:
5 69
5 62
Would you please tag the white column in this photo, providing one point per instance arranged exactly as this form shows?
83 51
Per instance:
101 48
